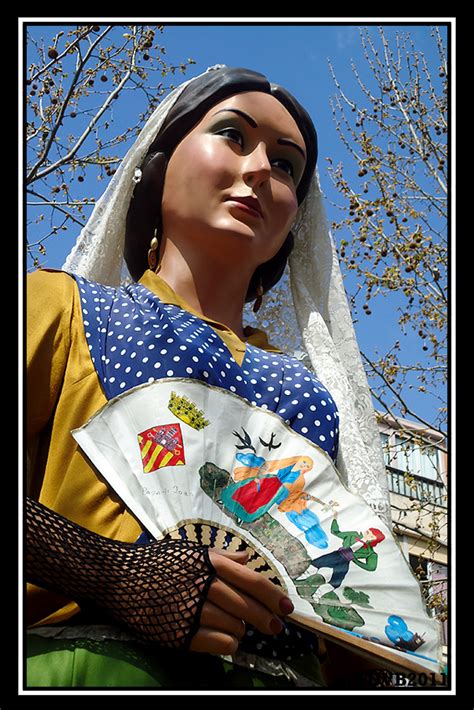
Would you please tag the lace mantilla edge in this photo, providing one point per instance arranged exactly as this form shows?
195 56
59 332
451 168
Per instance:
326 325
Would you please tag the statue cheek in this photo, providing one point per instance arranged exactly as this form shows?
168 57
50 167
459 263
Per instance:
210 164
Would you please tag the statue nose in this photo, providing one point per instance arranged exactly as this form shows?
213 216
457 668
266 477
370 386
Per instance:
257 165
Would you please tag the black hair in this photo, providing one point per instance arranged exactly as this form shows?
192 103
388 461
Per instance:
194 102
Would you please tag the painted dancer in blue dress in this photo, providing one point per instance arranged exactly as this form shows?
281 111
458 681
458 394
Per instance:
216 189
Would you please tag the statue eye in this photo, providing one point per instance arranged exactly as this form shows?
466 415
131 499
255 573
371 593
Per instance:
288 167
233 132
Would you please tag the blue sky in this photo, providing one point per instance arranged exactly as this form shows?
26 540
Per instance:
296 56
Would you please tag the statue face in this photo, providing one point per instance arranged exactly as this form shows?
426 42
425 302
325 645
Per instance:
259 155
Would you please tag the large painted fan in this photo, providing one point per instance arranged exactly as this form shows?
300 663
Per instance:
199 462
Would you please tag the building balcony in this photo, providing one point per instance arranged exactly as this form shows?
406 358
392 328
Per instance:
417 488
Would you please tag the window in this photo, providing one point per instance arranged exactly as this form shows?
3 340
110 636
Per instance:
439 594
389 455
414 469
433 578
417 459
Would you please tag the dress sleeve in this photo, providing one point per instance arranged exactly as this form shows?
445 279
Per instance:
49 307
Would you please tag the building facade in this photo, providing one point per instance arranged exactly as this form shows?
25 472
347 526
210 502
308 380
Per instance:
416 461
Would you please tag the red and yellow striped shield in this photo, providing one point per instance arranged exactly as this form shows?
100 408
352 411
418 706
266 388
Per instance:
161 446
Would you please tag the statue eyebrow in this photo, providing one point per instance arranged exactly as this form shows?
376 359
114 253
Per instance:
254 124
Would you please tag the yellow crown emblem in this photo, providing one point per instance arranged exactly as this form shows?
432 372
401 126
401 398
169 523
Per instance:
187 411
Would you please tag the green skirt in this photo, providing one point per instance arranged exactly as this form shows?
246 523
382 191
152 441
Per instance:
81 663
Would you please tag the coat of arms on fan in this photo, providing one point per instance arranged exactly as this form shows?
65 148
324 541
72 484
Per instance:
195 460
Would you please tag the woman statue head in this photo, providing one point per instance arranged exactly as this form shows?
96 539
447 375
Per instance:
231 133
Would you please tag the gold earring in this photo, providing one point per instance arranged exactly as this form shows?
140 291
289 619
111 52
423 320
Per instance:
152 252
258 300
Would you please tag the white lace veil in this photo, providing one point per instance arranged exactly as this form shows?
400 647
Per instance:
321 311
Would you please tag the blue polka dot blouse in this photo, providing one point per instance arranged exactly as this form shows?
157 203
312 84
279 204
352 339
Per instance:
135 338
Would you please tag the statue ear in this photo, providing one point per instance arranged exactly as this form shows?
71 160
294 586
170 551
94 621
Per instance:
144 213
